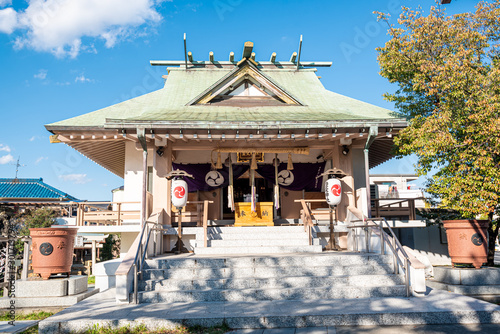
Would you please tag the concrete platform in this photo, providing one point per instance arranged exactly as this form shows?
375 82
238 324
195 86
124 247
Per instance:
427 329
41 302
481 283
19 326
437 307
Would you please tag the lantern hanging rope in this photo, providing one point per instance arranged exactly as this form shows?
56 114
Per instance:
289 165
276 185
253 194
230 190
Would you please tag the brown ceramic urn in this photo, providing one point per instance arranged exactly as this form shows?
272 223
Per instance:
52 250
467 241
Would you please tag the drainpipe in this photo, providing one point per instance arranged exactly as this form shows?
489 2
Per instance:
372 134
141 135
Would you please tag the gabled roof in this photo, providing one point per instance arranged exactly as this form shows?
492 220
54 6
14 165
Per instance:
245 71
31 189
172 103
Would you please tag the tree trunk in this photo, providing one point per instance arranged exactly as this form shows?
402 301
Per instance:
492 236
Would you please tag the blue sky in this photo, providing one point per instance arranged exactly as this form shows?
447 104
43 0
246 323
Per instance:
63 58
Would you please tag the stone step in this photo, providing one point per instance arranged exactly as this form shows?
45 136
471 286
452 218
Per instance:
295 260
437 307
258 250
255 229
257 242
262 235
217 295
264 283
264 272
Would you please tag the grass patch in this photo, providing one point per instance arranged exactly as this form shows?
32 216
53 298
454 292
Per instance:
27 316
142 329
31 330
91 280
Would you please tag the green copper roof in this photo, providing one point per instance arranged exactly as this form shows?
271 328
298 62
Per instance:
170 103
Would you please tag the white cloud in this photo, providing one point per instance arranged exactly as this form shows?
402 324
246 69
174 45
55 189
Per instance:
33 138
75 178
58 26
4 3
6 159
82 78
5 148
42 74
40 160
8 20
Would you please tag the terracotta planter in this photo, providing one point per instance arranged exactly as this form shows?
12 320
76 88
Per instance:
52 250
467 241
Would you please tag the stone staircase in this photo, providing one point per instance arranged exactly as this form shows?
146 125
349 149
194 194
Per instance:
256 240
257 278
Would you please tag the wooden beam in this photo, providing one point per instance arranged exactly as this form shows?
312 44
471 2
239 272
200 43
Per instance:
247 49
204 63
190 56
211 56
231 57
273 57
293 57
253 56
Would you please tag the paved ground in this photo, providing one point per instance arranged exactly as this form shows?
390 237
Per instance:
437 307
427 329
18 327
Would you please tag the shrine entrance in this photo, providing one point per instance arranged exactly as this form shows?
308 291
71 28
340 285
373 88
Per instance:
264 193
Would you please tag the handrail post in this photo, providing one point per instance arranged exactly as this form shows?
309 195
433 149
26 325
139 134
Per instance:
382 240
135 283
367 242
394 249
407 277
119 205
205 223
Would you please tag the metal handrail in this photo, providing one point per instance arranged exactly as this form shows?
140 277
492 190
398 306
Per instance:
395 247
141 253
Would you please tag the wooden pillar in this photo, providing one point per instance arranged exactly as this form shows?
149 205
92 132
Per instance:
93 256
344 162
168 208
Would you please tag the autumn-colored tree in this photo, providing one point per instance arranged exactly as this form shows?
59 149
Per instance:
447 69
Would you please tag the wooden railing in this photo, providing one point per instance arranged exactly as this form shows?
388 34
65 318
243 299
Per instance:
200 217
306 215
94 213
401 207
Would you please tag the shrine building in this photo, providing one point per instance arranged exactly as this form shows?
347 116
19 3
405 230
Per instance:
255 136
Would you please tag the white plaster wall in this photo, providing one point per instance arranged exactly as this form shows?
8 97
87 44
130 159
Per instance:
427 241
126 240
133 175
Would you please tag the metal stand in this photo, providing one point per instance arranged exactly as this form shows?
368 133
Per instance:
179 233
332 245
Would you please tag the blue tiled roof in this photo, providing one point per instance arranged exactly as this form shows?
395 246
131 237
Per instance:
31 188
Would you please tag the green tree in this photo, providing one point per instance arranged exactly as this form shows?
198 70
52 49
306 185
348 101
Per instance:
38 218
447 69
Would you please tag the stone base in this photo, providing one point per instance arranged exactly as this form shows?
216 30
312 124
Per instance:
478 283
39 302
467 276
57 287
